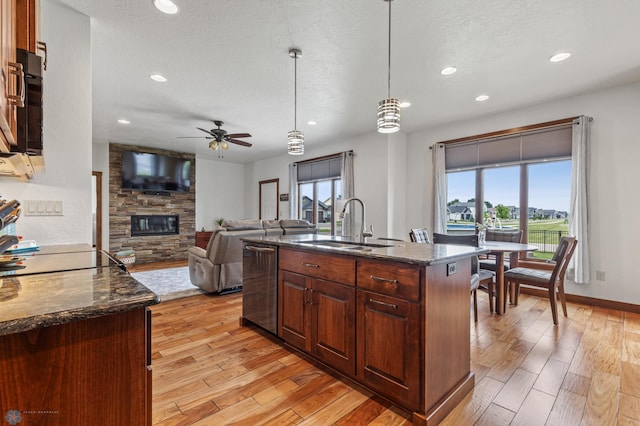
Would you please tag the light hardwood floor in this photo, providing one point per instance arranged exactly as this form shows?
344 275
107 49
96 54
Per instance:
207 370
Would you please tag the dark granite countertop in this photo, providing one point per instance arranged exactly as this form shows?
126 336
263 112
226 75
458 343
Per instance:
37 300
401 251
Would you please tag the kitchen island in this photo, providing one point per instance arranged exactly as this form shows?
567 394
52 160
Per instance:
74 340
393 316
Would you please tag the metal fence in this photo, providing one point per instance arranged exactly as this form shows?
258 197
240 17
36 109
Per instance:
546 241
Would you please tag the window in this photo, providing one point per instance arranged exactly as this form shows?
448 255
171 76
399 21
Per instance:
520 180
319 184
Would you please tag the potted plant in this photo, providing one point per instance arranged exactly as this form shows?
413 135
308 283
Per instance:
219 221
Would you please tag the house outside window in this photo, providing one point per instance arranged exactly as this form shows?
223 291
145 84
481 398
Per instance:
319 184
494 181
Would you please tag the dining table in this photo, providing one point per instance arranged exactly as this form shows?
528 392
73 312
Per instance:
499 249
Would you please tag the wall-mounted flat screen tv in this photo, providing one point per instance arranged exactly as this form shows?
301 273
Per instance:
155 172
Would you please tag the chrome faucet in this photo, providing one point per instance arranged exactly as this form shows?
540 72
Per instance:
364 233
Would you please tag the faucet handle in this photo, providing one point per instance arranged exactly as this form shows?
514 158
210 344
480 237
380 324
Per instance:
368 233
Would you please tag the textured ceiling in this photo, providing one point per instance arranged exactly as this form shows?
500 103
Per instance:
228 60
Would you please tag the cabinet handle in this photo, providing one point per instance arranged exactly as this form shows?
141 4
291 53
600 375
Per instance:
260 249
310 265
386 280
43 46
389 305
308 299
17 70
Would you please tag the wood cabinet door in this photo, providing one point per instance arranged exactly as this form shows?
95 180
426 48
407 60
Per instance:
8 123
293 321
333 324
389 347
27 24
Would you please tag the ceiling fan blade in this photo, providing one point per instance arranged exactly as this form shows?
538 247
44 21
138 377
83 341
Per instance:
237 142
238 135
206 131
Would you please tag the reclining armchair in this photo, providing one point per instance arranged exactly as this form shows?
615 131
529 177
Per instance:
218 269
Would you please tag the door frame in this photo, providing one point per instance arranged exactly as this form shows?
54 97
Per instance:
98 219
277 204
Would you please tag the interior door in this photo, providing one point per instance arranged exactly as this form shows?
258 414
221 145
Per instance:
269 190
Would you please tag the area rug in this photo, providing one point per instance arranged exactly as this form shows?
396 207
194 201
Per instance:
171 283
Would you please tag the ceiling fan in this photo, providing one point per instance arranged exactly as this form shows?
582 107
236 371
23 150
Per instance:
220 137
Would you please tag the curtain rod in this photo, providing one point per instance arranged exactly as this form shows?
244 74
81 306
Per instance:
507 132
324 157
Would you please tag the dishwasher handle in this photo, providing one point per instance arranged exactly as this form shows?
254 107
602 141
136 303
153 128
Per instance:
261 249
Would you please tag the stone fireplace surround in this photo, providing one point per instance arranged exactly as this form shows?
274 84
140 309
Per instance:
124 203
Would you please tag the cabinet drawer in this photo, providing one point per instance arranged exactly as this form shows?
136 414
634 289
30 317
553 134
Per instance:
333 268
394 279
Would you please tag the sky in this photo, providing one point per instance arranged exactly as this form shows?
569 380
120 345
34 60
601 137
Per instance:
549 185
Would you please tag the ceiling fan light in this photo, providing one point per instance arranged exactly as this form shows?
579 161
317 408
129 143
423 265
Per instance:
295 145
213 145
388 115
224 145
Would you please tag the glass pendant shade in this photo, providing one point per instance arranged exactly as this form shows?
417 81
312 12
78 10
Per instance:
224 145
295 146
213 145
388 115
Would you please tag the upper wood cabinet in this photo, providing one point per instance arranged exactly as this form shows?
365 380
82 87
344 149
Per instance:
28 25
8 72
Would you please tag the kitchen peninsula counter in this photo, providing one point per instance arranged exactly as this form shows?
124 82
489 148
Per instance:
401 251
392 315
74 339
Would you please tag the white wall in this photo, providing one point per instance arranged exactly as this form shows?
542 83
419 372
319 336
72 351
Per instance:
67 134
373 163
614 175
219 190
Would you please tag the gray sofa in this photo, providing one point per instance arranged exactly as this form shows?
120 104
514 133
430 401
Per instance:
218 268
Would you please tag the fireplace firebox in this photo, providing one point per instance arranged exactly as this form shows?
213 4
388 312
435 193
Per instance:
142 225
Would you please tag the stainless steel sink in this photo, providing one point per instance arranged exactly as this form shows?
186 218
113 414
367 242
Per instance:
352 245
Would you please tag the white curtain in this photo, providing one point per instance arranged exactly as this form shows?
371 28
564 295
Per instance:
579 266
439 190
293 191
346 177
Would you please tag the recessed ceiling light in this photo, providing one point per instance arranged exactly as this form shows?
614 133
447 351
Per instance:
157 77
559 57
166 6
404 104
124 121
311 123
448 70
482 98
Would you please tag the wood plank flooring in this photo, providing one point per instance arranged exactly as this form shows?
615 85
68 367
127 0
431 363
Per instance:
208 370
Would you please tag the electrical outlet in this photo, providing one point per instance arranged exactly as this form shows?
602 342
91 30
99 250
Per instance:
451 268
600 276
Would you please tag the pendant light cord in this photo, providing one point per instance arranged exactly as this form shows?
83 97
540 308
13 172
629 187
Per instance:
389 56
295 91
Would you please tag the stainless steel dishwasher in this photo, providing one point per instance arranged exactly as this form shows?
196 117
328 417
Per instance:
260 285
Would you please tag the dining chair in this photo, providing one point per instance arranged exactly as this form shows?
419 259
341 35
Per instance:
419 235
552 280
479 277
508 235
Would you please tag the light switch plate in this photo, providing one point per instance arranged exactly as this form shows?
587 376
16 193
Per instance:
42 208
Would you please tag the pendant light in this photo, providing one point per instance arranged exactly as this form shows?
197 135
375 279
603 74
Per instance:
389 109
295 145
